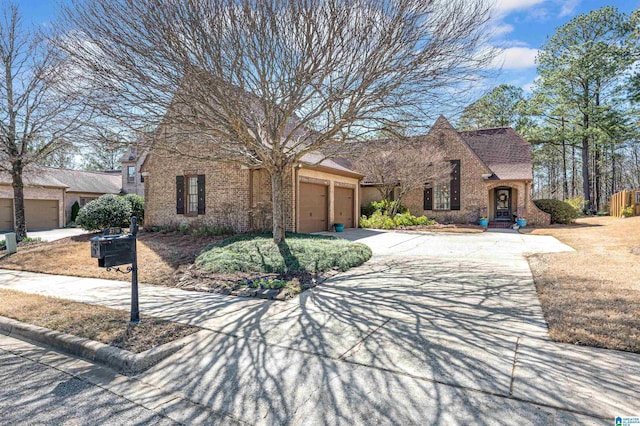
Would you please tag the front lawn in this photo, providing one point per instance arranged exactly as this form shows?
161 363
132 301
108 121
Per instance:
160 257
109 326
592 296
242 265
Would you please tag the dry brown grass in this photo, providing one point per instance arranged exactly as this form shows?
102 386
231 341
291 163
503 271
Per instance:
592 296
109 326
159 257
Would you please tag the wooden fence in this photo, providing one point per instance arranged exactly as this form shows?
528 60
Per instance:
620 200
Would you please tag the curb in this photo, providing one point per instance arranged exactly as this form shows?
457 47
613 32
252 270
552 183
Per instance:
121 360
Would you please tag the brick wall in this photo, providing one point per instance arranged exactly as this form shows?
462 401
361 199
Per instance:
473 195
227 192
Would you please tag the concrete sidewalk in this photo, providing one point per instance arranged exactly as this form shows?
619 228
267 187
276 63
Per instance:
431 330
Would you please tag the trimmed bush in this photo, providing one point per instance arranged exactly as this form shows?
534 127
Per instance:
378 220
107 211
137 206
75 208
381 207
560 211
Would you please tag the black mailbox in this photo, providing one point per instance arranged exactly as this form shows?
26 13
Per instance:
113 250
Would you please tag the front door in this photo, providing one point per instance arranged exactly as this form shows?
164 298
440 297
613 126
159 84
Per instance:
503 204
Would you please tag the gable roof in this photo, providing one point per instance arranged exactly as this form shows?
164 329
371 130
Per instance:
503 151
71 180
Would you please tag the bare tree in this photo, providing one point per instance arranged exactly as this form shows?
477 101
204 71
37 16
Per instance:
262 83
38 114
104 151
397 167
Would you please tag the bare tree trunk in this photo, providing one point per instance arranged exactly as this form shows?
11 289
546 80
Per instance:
18 199
277 198
574 170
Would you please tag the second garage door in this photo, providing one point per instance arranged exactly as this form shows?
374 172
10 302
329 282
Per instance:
343 206
6 214
313 207
41 214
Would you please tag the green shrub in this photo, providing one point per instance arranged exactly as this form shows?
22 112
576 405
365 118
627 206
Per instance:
378 220
627 211
75 208
560 211
578 203
298 253
137 206
107 211
380 206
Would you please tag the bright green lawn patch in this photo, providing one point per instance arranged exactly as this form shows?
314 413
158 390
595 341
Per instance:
299 253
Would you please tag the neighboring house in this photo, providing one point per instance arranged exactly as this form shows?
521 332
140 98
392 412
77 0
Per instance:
491 176
132 179
49 194
179 190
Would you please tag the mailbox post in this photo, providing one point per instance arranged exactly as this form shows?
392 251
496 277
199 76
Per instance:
114 248
135 311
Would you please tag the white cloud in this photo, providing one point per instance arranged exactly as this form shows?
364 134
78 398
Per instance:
568 7
515 58
504 7
501 29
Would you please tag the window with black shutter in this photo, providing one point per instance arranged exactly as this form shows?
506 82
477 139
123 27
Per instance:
454 192
179 194
201 195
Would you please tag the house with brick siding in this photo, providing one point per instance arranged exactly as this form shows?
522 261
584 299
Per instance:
179 190
491 177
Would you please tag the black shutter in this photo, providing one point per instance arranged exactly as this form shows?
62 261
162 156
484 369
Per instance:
201 197
179 194
428 198
455 185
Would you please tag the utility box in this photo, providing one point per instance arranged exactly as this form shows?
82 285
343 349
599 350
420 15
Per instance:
113 250
11 244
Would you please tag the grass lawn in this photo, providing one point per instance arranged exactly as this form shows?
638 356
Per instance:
109 326
592 296
159 257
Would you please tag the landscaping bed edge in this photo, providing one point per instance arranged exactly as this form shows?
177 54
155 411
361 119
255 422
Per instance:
118 359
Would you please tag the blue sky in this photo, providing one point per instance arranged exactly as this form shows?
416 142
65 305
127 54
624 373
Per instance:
520 28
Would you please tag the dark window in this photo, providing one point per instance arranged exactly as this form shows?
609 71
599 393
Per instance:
428 198
141 178
131 174
190 195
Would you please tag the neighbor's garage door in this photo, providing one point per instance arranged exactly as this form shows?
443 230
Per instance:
343 206
41 213
313 207
6 214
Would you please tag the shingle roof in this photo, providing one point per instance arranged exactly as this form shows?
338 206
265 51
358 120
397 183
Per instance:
503 150
315 158
72 180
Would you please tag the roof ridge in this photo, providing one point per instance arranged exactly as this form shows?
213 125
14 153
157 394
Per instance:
486 128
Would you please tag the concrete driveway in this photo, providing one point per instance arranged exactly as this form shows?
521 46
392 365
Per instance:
53 234
434 329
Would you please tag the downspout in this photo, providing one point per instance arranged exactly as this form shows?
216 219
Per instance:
296 194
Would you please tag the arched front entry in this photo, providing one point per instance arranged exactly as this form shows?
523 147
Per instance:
506 200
